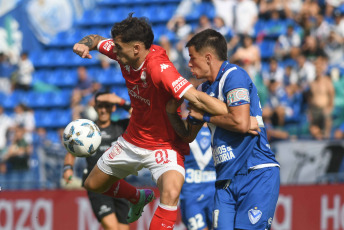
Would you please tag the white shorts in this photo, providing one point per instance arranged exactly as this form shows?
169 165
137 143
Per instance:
124 158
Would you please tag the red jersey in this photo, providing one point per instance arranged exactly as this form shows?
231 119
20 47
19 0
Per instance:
150 87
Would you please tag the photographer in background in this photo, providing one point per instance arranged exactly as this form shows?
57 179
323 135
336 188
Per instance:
110 212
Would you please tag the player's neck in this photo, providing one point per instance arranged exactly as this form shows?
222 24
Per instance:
140 60
214 71
103 124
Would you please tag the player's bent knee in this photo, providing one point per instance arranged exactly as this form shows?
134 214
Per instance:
90 185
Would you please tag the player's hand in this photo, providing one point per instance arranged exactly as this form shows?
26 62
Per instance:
195 113
254 128
82 50
68 175
172 105
110 98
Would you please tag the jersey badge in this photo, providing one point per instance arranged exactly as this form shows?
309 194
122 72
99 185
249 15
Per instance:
143 79
254 215
164 66
127 67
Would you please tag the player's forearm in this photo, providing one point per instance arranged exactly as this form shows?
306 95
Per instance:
69 159
179 126
205 102
91 41
231 123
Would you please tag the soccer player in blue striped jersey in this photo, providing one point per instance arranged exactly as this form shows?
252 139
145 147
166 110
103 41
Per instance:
247 173
197 196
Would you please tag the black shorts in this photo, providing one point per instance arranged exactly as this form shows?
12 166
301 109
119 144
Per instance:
103 205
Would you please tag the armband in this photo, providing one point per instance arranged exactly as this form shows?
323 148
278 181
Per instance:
194 121
66 167
206 117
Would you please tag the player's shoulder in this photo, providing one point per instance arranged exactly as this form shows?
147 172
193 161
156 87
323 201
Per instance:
236 73
157 58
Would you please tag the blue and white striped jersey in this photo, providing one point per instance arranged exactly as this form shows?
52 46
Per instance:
235 152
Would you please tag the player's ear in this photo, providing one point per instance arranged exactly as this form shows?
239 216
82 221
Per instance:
137 48
208 58
114 108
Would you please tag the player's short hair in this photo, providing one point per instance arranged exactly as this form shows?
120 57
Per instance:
212 39
134 29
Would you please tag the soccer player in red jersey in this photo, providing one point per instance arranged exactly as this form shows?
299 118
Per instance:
150 140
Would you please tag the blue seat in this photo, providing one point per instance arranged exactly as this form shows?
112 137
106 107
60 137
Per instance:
61 98
10 101
121 91
37 99
44 119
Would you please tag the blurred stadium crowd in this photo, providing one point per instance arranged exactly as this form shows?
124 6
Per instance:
292 49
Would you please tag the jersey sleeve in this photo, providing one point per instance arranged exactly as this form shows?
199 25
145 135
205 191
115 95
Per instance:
106 47
236 88
166 76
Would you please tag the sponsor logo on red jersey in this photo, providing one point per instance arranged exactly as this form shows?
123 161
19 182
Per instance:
107 46
177 84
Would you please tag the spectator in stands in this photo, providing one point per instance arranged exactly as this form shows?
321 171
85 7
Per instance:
275 72
85 90
245 17
339 22
321 102
220 26
288 45
311 48
321 30
19 151
179 26
277 105
225 10
6 70
24 116
171 51
6 123
84 84
23 77
339 133
248 56
203 23
334 48
305 72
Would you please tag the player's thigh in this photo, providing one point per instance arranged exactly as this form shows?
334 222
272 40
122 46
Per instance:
258 200
163 160
98 181
194 214
224 210
121 159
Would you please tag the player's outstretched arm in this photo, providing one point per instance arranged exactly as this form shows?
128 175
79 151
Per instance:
205 102
186 131
86 44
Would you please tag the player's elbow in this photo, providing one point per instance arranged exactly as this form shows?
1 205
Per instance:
242 125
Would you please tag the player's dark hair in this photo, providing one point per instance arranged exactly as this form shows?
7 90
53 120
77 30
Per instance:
212 39
134 29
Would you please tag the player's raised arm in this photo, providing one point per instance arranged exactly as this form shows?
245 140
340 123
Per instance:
86 44
205 102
